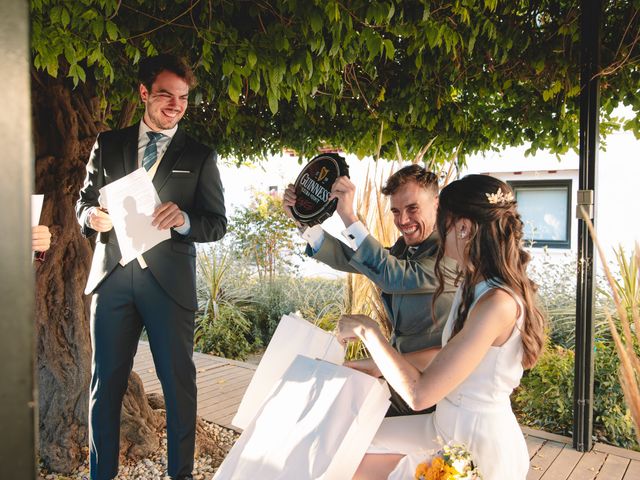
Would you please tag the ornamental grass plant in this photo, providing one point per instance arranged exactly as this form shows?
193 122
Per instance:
544 399
222 326
556 279
373 210
361 294
625 329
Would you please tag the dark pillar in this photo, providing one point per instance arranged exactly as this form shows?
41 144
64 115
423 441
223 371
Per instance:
17 405
591 15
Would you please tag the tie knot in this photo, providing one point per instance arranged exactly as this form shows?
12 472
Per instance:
154 136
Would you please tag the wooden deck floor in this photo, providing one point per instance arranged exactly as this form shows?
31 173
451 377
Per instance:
222 382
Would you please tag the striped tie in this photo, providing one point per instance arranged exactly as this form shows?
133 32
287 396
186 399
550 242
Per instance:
151 151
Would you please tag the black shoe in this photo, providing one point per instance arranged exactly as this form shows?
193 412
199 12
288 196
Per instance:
183 477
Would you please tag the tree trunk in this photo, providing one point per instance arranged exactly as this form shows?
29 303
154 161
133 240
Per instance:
65 128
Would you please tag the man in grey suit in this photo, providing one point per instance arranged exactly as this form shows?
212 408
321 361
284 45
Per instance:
405 273
157 290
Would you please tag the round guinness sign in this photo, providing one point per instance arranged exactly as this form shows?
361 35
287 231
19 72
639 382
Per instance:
313 187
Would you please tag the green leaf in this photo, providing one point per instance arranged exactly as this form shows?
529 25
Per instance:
254 82
97 27
315 20
81 73
52 66
77 73
89 15
227 68
112 30
538 66
94 56
235 88
309 64
65 18
433 37
573 91
472 42
273 101
107 70
70 54
392 11
252 58
418 60
389 49
336 12
374 43
55 14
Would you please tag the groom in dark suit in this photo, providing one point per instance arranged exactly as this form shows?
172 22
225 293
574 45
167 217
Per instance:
157 290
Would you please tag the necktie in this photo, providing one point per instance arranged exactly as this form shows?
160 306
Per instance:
151 150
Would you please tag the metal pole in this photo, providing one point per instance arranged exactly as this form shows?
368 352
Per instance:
591 15
17 346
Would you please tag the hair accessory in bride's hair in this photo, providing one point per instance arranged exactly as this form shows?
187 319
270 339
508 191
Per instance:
500 198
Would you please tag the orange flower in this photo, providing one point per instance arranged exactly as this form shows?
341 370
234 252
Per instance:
446 463
432 474
437 463
421 471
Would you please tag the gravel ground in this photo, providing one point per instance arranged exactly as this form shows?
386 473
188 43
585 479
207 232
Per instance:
155 467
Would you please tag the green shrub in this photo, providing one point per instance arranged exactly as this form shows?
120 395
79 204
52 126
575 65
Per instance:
263 234
556 279
223 333
222 327
612 421
544 399
316 300
270 302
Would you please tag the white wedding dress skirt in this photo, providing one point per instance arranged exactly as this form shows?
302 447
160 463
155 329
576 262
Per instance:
477 414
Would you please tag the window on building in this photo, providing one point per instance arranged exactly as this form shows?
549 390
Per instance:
545 208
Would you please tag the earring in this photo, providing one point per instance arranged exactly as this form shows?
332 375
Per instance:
462 235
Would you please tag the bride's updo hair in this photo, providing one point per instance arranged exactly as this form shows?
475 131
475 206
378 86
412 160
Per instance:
494 250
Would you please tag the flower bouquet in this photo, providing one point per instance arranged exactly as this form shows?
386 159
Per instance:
451 462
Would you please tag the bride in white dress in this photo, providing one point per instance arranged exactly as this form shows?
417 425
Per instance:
494 331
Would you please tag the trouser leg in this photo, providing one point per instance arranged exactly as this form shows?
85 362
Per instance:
115 330
170 330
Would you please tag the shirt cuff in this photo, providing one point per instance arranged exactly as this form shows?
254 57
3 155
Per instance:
85 219
314 237
355 234
185 228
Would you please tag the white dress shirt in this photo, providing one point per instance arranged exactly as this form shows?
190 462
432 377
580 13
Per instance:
161 147
354 233
162 144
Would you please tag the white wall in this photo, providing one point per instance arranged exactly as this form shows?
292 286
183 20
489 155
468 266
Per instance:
617 184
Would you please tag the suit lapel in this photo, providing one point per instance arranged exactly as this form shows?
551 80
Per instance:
170 158
130 149
399 249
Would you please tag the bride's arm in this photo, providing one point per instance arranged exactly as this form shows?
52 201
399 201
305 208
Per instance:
419 359
490 322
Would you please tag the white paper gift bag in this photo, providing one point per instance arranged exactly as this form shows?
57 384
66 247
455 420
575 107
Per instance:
315 425
292 337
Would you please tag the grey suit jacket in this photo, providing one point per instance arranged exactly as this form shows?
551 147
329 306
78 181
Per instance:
407 284
188 176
